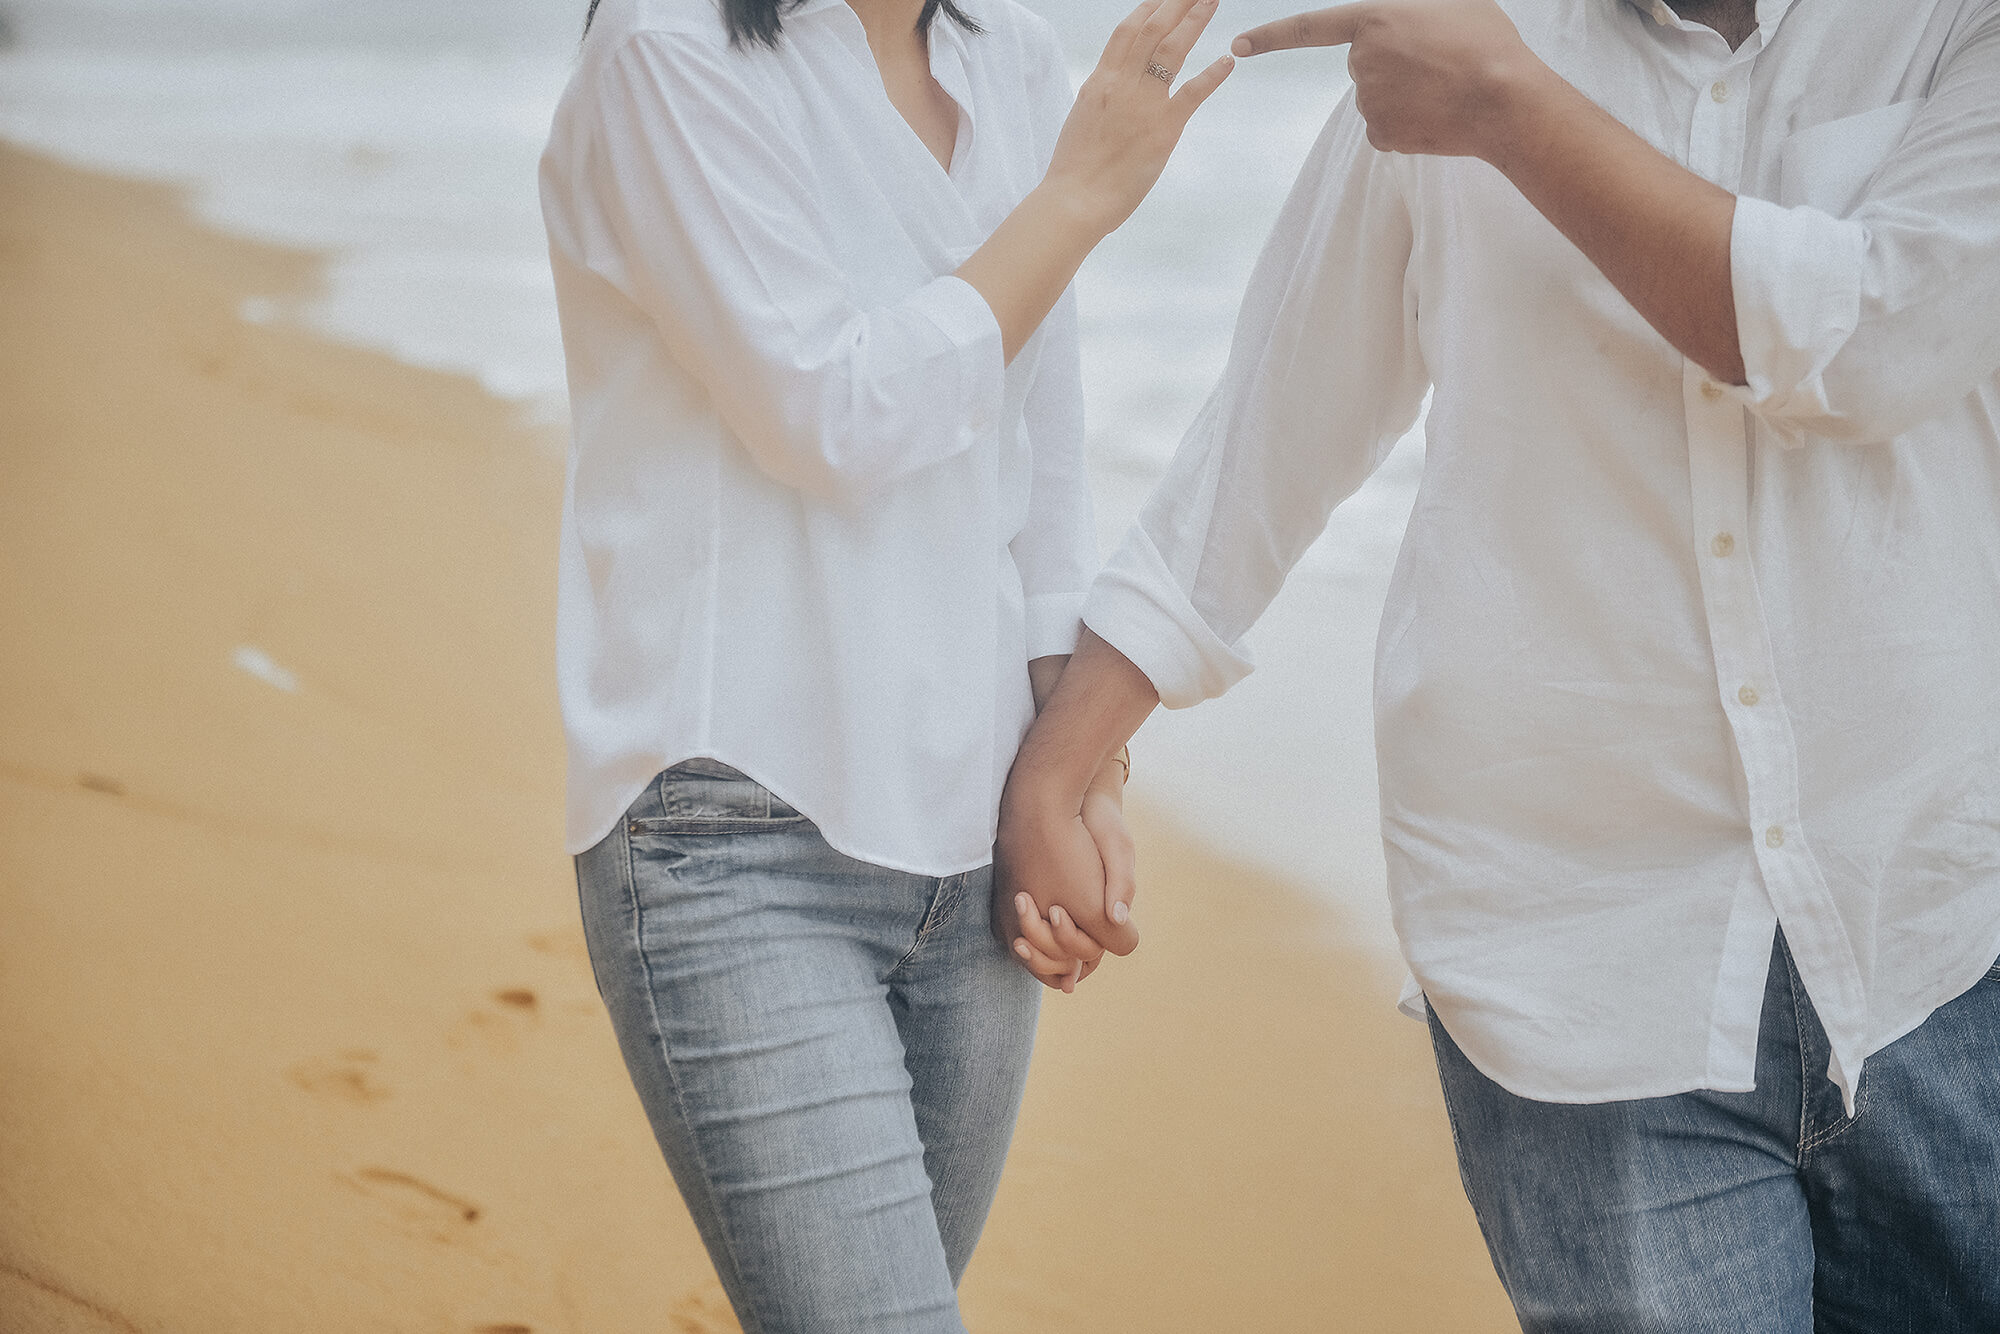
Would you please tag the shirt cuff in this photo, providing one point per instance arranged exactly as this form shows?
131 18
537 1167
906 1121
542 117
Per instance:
1796 277
1138 608
1055 622
968 324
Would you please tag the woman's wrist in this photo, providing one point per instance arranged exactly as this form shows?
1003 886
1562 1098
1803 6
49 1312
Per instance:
1073 209
1108 782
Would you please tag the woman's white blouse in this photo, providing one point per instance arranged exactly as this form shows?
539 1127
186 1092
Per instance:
815 527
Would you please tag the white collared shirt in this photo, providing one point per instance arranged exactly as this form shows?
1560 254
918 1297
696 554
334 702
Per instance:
1664 663
815 528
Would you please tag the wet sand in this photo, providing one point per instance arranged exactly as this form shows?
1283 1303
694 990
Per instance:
298 1032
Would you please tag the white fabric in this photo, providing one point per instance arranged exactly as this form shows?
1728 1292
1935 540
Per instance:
814 528
1664 663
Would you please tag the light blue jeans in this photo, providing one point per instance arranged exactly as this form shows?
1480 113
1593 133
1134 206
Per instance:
1769 1212
831 1053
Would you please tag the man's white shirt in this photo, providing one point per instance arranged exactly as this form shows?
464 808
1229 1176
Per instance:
1665 664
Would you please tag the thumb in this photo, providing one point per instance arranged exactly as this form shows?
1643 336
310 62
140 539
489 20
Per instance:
1106 823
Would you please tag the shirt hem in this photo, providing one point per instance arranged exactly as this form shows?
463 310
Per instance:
574 846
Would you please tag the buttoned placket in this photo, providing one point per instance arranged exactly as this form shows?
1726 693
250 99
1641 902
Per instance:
1793 891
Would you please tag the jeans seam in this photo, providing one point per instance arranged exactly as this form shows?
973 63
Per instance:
673 1076
1458 1143
658 825
1847 1123
1804 1144
1811 1141
933 918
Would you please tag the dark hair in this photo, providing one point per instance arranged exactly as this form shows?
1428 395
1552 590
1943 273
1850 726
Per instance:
763 20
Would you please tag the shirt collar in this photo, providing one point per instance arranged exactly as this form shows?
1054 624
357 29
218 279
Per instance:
1770 13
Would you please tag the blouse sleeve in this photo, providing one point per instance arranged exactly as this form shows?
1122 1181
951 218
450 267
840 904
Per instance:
1056 551
710 225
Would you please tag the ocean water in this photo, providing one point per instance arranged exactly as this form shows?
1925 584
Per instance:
401 140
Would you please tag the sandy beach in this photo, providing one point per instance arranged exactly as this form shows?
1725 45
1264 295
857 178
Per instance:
298 1030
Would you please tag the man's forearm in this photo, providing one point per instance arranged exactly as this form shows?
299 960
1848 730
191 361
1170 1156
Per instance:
1099 702
1043 673
1453 77
1659 232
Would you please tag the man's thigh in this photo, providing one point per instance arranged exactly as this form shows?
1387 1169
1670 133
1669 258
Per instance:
1679 1215
1905 1198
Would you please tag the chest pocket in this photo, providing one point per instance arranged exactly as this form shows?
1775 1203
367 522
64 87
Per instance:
1829 166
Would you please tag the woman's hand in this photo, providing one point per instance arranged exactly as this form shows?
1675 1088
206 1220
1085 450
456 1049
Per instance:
1114 145
1127 121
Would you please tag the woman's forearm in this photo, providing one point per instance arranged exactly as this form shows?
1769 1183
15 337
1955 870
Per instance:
1123 127
1030 260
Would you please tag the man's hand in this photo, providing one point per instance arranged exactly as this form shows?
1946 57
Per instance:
1454 78
1051 945
1063 862
1430 76
1083 885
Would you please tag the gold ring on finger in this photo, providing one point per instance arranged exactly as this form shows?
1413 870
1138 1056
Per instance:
1161 72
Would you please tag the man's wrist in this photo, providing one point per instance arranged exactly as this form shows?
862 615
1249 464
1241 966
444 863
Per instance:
1524 100
1046 787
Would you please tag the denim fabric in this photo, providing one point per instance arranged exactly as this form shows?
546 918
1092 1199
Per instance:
1769 1212
831 1053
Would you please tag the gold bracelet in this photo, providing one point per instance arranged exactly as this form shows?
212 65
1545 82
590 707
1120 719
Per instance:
1124 759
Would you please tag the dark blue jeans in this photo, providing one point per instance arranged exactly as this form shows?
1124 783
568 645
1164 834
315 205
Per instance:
1770 1212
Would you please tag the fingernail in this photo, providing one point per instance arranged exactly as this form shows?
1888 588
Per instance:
1021 948
1055 916
1120 913
1021 904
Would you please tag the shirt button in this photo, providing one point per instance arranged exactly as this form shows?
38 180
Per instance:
1723 544
1719 90
1748 694
1710 390
1775 836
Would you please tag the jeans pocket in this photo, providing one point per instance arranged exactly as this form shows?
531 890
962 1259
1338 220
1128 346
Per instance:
704 797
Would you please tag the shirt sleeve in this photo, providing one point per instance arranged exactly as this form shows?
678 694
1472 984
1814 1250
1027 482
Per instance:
1324 376
710 225
1056 551
1858 328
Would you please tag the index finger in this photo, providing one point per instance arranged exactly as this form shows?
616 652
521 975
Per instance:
1321 27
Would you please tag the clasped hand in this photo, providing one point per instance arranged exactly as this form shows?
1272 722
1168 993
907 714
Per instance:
1064 879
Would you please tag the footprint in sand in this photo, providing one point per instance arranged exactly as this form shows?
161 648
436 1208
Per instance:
347 1076
566 944
504 1329
31 1300
705 1312
417 1204
510 1014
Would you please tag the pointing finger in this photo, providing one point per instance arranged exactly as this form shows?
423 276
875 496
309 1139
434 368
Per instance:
1321 27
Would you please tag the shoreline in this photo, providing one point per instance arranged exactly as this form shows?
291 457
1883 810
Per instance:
301 1032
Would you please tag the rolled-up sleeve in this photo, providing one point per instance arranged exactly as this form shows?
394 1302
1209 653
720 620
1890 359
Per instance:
1324 376
1858 328
709 224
